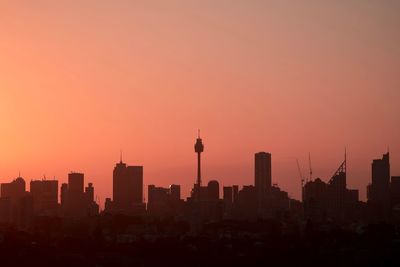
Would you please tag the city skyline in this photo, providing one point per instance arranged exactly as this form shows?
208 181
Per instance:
260 159
262 199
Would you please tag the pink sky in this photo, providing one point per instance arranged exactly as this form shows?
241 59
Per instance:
82 80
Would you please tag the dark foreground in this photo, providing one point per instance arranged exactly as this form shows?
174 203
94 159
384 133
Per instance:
224 244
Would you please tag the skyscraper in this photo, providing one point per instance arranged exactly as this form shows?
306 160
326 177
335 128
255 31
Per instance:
75 196
127 187
213 190
92 208
228 195
89 193
16 203
14 190
379 190
64 196
262 176
45 196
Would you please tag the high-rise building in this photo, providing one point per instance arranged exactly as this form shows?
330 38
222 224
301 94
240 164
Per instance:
331 200
395 190
75 199
135 173
16 204
127 187
92 208
164 202
228 195
15 189
213 190
157 194
247 203
89 193
64 196
45 197
262 177
235 193
379 190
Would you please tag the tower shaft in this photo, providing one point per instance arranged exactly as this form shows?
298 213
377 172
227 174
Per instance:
199 169
198 148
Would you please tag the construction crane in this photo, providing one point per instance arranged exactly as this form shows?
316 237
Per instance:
301 179
300 173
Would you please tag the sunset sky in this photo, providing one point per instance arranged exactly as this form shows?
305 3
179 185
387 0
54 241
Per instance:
82 80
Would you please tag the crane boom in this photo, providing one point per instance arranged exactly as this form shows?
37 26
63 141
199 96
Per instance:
301 179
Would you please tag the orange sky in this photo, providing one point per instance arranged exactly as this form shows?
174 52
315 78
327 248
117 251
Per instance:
80 80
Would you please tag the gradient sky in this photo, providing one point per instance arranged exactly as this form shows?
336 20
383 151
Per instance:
82 80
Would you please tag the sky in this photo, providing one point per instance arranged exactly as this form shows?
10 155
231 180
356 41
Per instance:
82 80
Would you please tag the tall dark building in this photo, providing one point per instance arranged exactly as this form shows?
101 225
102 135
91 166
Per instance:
92 208
45 197
89 193
164 202
64 196
379 190
228 195
16 205
75 196
213 190
262 177
15 189
395 190
158 200
127 187
332 200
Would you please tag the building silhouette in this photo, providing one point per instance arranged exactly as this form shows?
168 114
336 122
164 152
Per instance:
127 189
213 190
45 197
63 197
330 200
92 208
395 191
247 205
379 190
164 202
323 203
75 195
16 204
228 195
262 178
76 201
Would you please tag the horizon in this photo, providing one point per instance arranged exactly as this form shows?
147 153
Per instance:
306 175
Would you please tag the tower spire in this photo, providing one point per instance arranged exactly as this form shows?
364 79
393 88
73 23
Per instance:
198 148
120 156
